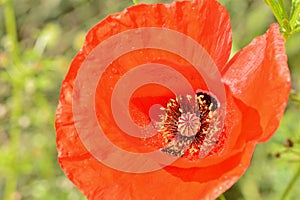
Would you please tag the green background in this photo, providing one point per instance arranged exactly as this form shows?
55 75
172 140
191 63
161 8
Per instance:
50 33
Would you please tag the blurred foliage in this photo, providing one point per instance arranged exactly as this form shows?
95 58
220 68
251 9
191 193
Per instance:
35 60
289 19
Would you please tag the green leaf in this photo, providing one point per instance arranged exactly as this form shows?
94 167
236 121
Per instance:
277 10
283 10
135 1
288 24
296 30
295 14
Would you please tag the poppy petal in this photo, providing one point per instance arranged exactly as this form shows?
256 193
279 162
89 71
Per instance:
168 183
98 181
196 19
207 22
259 76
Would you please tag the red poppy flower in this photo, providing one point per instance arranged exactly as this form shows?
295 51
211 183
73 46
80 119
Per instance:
255 84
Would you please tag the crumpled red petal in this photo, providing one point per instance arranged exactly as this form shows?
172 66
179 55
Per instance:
214 35
205 179
196 19
259 76
109 184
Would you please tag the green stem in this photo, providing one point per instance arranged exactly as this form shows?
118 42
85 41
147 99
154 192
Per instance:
10 187
16 113
11 30
135 1
15 138
16 98
297 30
291 184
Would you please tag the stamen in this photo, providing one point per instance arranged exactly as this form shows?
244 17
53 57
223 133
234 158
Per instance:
190 126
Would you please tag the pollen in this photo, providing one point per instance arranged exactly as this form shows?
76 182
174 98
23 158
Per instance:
190 126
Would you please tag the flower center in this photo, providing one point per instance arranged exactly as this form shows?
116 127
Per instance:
190 126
